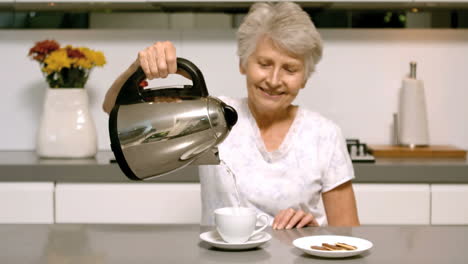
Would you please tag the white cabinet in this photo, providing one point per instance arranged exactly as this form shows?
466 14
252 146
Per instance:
27 202
378 204
449 204
128 203
180 203
393 203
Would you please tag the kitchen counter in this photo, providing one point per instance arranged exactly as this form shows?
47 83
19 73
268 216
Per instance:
21 166
70 243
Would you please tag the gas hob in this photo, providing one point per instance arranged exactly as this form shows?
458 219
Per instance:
359 152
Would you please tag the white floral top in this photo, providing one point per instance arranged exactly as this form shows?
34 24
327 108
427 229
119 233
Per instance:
311 159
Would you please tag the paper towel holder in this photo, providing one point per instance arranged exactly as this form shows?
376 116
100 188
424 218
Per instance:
411 123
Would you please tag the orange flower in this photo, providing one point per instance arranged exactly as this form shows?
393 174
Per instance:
74 53
42 48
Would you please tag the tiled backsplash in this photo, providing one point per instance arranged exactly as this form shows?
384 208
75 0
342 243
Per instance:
356 83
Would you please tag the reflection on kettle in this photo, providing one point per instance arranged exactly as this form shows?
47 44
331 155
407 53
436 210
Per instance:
151 138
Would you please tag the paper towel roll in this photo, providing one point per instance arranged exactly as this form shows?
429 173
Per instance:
413 114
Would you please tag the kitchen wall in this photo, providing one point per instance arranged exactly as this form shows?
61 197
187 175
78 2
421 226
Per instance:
356 83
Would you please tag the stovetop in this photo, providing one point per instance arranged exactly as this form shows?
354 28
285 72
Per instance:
358 151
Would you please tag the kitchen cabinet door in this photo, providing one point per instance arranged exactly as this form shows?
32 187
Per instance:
171 203
440 1
79 1
381 204
449 204
27 202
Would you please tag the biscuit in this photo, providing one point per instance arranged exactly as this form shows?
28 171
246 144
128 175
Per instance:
319 248
331 247
336 247
345 246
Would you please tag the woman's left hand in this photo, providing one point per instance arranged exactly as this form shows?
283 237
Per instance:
290 218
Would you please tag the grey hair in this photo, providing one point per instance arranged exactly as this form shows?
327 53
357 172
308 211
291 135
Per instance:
287 25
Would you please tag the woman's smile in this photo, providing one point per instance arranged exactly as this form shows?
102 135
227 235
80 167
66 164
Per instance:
272 94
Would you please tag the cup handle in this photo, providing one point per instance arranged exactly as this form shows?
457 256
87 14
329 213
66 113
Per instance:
267 219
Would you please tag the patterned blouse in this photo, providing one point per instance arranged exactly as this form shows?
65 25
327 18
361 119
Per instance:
312 159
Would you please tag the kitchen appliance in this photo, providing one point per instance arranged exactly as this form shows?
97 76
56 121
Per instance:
412 116
151 137
359 152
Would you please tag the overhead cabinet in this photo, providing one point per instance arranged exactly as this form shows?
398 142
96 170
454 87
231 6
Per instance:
79 1
214 2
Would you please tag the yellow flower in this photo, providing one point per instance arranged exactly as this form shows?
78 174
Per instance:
99 58
84 63
57 60
95 58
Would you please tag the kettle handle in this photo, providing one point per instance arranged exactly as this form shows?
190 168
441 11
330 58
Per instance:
132 92
196 76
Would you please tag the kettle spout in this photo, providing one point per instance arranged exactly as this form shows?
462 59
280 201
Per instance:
210 157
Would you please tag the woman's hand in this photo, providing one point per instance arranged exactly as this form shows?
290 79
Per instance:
290 218
158 60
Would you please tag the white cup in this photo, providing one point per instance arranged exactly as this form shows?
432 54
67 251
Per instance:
237 224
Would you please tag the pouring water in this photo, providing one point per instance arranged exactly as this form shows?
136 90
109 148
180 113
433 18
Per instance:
231 173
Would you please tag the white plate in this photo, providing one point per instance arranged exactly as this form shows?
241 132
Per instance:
214 239
305 243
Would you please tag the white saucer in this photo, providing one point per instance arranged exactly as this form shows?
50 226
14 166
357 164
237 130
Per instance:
305 243
213 238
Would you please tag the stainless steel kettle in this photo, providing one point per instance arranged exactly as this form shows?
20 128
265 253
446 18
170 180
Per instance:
151 138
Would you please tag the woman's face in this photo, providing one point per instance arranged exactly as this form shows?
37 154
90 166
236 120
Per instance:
274 77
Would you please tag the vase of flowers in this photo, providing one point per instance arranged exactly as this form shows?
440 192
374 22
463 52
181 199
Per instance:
66 129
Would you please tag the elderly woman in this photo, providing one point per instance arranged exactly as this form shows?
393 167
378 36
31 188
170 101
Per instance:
287 160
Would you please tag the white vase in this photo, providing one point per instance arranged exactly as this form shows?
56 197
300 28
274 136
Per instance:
66 129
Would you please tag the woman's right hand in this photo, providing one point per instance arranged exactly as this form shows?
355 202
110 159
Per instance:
158 60
290 218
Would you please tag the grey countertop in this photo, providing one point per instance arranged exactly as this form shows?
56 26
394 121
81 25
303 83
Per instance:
71 243
24 166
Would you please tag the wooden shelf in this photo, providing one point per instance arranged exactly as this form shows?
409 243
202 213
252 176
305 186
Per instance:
435 151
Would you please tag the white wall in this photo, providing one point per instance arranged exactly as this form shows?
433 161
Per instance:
356 83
